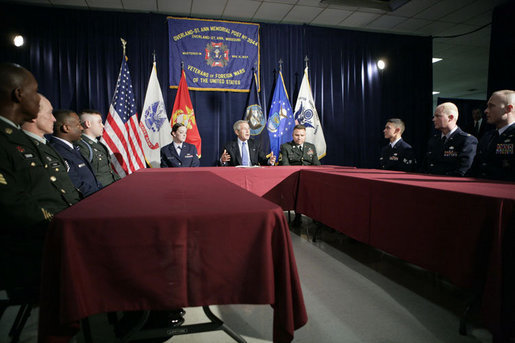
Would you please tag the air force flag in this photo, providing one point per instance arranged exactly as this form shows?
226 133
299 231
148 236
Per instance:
306 114
154 122
280 117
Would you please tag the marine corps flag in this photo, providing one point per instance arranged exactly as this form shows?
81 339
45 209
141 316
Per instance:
154 122
255 116
183 113
306 114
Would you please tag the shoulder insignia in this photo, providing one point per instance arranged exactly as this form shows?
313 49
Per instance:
3 181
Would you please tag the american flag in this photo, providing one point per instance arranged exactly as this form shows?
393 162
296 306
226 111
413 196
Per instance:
122 134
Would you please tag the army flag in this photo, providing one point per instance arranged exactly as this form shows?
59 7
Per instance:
154 122
183 113
306 114
122 134
280 117
255 116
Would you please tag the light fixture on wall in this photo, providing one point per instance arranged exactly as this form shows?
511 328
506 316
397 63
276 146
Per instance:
18 40
381 64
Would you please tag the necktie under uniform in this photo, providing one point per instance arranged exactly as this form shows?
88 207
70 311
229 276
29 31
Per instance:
244 154
178 149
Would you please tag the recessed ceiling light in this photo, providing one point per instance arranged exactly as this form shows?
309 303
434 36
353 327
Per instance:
18 40
436 59
436 92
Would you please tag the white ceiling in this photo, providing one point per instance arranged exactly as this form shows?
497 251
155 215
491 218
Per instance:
463 72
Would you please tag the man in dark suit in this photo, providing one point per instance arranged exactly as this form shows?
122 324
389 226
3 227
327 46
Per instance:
451 151
28 198
397 155
67 130
179 153
298 152
479 125
93 150
36 130
495 158
242 151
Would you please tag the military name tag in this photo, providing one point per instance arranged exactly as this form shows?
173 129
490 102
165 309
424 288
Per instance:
28 155
82 165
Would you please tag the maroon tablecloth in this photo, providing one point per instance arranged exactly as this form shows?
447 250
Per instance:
453 226
165 239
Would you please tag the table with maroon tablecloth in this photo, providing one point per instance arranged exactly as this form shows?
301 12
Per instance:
453 226
192 221
159 240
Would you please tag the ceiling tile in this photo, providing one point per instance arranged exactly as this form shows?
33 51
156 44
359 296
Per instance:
412 25
442 9
359 19
182 7
313 3
331 17
210 8
302 14
457 29
272 11
73 3
138 5
243 9
470 11
386 22
291 2
413 7
481 19
111 4
433 27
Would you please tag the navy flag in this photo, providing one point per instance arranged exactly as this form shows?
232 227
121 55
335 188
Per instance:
255 116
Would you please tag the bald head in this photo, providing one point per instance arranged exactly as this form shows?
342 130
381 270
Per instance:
44 122
19 100
445 117
500 110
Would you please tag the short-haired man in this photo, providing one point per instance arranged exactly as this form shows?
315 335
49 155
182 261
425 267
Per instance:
179 153
93 150
56 167
244 151
67 130
298 152
397 155
495 158
451 151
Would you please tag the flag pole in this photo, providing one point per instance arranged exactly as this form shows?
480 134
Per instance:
281 65
154 56
124 43
306 59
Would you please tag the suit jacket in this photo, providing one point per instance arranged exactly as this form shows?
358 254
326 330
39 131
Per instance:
98 157
79 169
495 158
291 155
187 158
454 157
257 157
400 157
483 128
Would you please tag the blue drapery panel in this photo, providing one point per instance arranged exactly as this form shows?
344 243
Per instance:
75 56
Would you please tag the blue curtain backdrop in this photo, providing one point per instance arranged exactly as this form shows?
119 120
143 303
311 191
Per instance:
76 54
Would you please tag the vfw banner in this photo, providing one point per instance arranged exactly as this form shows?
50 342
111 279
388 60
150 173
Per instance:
217 55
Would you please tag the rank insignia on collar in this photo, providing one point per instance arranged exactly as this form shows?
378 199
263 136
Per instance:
8 130
20 149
